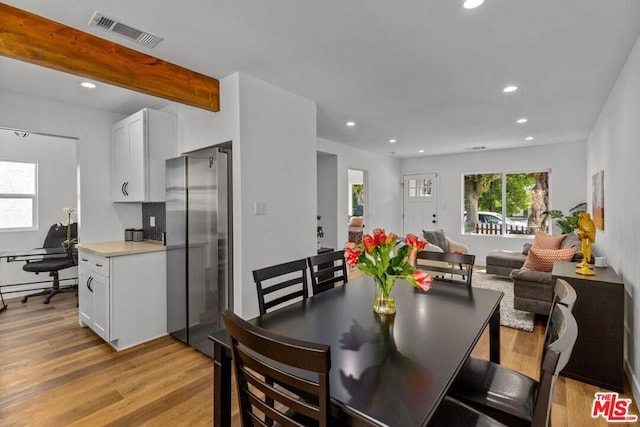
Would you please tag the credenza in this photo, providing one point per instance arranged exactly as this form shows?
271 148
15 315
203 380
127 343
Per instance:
598 356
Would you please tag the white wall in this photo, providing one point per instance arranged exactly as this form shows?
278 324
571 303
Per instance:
278 166
57 188
92 128
273 134
567 164
614 146
383 206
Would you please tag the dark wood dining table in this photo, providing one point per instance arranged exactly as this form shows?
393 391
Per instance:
385 370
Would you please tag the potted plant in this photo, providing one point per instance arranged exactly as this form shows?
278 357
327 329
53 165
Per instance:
567 223
319 232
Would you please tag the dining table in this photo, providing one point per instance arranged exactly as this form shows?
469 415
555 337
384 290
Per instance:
389 370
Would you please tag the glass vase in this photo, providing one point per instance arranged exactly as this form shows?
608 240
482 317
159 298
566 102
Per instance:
384 302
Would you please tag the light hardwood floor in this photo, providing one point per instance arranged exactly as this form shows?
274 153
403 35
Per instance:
54 373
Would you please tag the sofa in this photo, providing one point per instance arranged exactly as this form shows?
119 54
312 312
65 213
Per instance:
533 290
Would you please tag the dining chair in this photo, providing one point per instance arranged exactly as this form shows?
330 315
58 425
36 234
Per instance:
327 270
511 397
447 267
278 378
280 283
452 412
565 294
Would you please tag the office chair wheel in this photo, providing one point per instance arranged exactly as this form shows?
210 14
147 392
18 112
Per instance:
24 299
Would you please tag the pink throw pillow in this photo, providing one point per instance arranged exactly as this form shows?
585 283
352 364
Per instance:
547 241
543 259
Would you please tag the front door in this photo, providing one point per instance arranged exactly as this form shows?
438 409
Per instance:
420 203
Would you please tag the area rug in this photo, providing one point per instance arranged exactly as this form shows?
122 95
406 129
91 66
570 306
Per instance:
509 316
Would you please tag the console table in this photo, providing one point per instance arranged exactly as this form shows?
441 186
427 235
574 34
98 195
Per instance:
598 356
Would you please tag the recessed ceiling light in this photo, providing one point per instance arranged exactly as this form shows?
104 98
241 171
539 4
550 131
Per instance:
88 85
351 124
472 4
510 88
420 151
522 120
393 141
529 138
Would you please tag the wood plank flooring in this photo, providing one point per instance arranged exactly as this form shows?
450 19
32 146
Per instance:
54 373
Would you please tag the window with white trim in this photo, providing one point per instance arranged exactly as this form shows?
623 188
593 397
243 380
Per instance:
502 203
18 195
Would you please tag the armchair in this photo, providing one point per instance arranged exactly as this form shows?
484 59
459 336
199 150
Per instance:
439 242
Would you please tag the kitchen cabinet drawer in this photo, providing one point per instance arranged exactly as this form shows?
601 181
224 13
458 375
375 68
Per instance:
94 263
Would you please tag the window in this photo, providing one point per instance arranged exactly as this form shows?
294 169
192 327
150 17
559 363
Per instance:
506 203
18 197
420 187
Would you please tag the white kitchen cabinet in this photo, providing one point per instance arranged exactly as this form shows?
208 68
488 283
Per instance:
123 298
141 143
93 293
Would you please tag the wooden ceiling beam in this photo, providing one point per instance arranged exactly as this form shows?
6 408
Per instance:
32 38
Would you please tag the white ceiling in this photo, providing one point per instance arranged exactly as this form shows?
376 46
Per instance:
428 73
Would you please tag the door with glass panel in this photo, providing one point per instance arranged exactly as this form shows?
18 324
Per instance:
420 203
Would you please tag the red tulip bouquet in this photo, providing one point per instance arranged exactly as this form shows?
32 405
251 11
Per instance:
387 258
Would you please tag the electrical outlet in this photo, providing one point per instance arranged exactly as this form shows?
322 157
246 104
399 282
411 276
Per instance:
152 221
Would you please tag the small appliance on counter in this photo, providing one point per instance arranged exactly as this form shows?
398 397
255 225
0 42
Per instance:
138 235
128 234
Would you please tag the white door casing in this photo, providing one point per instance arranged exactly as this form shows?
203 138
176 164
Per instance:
419 203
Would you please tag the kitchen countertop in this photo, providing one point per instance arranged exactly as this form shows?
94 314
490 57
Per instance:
121 247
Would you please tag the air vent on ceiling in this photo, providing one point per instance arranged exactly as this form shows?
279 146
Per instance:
113 26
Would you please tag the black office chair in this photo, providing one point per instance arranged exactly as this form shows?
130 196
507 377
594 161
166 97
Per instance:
272 377
281 283
327 270
56 235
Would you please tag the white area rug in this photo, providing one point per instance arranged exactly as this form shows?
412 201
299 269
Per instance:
509 316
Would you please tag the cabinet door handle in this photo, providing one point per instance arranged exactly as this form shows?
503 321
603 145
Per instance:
85 259
98 265
126 189
122 189
89 280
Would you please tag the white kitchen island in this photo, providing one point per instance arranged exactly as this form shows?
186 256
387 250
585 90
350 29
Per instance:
122 291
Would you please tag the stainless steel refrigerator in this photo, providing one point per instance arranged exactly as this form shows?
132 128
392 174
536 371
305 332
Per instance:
198 239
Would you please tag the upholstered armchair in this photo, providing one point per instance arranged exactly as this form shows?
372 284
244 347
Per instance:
439 242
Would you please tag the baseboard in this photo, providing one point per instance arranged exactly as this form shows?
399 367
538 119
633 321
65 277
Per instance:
633 383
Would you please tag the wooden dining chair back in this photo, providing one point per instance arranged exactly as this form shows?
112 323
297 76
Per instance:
327 270
565 294
561 335
278 379
447 267
281 283
514 398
